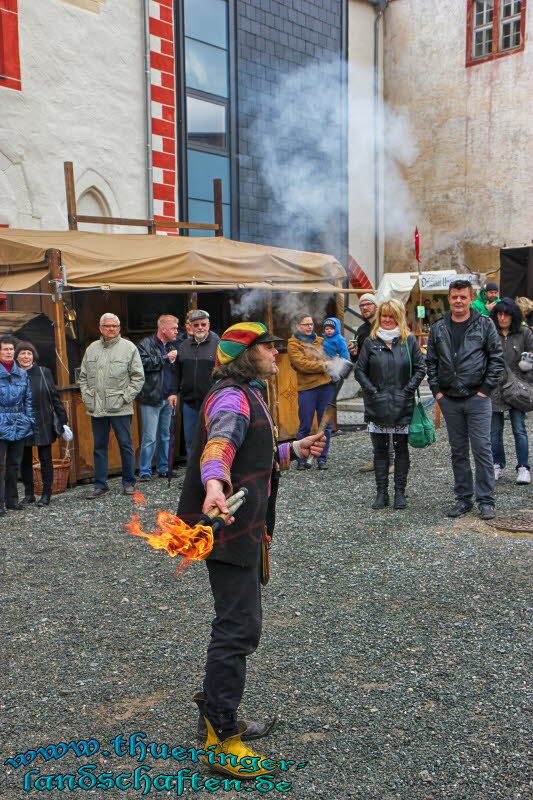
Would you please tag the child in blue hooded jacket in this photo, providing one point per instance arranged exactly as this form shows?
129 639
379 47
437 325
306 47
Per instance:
334 343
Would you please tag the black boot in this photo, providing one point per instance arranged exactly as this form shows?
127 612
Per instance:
27 499
381 471
44 500
2 510
401 470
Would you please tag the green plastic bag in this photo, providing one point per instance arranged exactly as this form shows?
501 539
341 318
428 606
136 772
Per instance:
421 428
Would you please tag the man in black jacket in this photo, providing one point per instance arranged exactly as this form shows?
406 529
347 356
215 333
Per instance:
196 359
368 308
158 396
464 365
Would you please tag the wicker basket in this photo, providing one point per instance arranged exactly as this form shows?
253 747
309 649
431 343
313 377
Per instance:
61 471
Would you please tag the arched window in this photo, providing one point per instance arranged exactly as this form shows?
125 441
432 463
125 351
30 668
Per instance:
92 203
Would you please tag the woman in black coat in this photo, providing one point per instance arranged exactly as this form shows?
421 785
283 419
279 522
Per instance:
45 401
389 368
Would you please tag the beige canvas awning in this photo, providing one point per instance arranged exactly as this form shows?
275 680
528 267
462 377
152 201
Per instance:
141 262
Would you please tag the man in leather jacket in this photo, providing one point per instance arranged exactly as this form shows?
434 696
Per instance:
464 365
196 359
158 395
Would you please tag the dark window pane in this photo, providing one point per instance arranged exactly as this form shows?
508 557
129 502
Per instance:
206 68
206 123
207 20
201 211
202 169
507 10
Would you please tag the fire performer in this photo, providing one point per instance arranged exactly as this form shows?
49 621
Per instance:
235 447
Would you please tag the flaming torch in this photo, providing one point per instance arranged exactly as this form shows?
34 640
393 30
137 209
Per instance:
179 539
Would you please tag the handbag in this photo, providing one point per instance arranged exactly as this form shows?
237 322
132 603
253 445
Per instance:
57 426
421 427
517 393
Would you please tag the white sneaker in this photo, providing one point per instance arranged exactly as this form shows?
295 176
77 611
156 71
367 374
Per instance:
523 475
498 472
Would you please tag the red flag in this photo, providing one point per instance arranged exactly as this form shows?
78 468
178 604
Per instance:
417 245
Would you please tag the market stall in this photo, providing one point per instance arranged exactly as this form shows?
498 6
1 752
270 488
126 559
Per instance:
74 276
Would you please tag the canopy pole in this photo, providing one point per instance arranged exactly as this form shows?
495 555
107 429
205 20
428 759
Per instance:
273 381
217 198
339 301
54 262
193 298
70 190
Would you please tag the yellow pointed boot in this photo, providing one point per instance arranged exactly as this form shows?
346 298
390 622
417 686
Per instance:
232 757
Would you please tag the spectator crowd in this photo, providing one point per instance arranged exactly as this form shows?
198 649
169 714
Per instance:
474 353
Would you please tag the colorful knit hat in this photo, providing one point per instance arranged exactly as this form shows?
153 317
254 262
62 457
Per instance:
238 337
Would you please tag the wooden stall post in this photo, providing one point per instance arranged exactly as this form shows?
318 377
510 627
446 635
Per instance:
62 366
54 261
70 190
217 197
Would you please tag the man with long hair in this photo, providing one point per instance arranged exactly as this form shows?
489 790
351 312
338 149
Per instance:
235 447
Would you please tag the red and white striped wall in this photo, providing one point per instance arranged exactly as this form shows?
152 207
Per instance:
9 45
163 94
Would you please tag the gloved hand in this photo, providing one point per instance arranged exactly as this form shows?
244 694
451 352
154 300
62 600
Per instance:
67 434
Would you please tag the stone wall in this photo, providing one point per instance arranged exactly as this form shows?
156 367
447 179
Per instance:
82 100
471 182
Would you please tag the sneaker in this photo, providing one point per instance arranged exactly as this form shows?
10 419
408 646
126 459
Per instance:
300 465
498 472
129 489
486 511
368 467
523 475
322 465
144 478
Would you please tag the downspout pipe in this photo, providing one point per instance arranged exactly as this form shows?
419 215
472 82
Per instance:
379 6
148 111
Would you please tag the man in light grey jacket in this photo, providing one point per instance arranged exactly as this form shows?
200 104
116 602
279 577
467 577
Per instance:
111 376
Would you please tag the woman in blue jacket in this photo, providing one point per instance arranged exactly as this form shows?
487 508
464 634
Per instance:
16 422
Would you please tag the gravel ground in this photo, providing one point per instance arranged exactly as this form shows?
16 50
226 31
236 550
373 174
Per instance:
395 644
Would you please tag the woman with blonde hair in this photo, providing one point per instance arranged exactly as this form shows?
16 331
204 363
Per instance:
526 307
389 368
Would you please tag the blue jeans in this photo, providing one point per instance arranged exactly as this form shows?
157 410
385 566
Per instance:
190 420
309 401
518 424
122 429
156 431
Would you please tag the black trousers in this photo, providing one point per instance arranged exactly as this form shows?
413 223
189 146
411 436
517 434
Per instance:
47 468
10 458
235 634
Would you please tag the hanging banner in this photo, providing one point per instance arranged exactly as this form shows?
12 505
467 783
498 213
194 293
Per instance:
440 281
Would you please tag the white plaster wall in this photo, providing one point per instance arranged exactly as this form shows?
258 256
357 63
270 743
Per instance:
472 180
361 135
82 100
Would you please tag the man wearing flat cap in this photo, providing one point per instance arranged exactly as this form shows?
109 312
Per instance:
235 447
195 362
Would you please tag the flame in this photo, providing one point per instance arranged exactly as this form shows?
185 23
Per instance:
176 537
138 497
